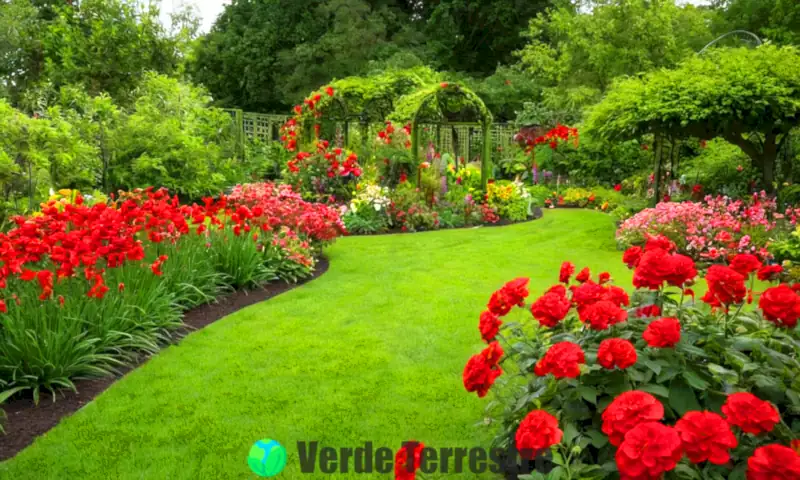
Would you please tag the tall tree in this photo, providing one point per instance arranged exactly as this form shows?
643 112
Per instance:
749 97
777 20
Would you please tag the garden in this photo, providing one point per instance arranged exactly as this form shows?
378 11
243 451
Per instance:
579 262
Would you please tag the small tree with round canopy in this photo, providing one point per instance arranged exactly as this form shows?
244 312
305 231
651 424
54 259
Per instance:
749 97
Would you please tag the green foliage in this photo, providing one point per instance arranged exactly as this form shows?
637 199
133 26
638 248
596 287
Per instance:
510 200
171 139
265 160
720 168
777 20
106 46
749 97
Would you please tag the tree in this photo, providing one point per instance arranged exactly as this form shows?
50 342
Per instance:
575 50
777 20
106 46
20 59
749 97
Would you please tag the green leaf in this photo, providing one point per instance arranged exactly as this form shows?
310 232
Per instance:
681 397
570 432
652 365
655 389
589 394
556 473
599 440
694 379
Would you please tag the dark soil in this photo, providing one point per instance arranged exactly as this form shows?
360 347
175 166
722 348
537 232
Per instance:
537 214
26 421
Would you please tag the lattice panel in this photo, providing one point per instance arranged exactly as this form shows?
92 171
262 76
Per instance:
264 127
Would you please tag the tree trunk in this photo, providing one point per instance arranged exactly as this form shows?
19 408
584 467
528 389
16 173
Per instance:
768 171
657 171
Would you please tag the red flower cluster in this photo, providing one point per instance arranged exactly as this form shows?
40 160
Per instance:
655 265
628 410
750 413
706 436
538 431
563 360
725 286
773 462
663 333
552 307
552 138
780 305
482 370
408 460
510 295
567 269
489 326
649 450
616 352
337 162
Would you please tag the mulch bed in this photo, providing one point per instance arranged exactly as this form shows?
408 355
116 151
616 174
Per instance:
26 421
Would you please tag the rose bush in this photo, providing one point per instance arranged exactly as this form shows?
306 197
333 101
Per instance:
634 386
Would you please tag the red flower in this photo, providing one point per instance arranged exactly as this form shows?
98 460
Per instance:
510 295
780 305
603 278
563 360
538 431
773 462
649 450
618 187
682 270
3 306
329 91
697 189
616 352
706 436
648 311
725 286
583 275
628 410
745 263
444 84
298 109
653 269
587 294
408 460
600 315
479 375
617 296
551 307
121 287
567 269
769 272
632 256
156 265
489 325
655 242
750 413
663 333
645 147
493 353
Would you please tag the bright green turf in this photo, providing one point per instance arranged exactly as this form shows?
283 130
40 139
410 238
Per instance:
372 350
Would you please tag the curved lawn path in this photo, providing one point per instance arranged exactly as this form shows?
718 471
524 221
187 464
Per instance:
371 351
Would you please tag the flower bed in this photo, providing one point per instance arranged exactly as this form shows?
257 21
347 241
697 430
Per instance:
86 288
614 385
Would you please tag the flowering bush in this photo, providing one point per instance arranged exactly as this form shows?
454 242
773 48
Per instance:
393 150
326 175
368 212
509 199
84 288
711 229
636 386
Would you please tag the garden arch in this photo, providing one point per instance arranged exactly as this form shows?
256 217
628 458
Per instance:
438 103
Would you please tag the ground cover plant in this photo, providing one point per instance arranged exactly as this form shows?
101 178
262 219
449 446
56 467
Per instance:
86 287
646 384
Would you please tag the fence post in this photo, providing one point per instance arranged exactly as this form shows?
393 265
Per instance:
486 161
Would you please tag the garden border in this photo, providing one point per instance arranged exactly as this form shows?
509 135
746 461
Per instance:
25 421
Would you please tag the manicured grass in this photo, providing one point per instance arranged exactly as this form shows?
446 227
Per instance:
371 351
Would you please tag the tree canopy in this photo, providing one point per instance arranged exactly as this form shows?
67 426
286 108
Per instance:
749 97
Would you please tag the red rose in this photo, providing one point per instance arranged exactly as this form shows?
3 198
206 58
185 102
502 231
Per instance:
489 325
583 275
616 352
632 256
482 370
745 263
780 305
682 270
649 450
773 462
408 460
563 359
769 272
567 269
498 304
628 410
663 333
551 308
510 295
617 296
602 314
558 289
648 311
587 293
653 269
750 413
656 242
706 436
618 187
725 286
538 431
603 278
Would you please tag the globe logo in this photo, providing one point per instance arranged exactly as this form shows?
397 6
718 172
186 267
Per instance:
267 458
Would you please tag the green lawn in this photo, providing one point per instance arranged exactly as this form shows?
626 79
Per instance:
371 351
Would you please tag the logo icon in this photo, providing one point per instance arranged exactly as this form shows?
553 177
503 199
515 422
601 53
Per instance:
267 458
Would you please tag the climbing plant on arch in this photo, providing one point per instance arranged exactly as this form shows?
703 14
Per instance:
445 102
